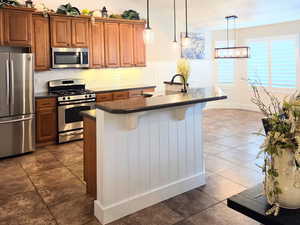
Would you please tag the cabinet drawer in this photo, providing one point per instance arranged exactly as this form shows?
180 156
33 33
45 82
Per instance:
104 97
45 103
135 93
149 90
120 95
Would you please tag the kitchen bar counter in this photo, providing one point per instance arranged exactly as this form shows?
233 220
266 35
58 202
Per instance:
171 99
149 150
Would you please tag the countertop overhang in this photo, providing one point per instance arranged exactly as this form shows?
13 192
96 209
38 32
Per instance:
171 99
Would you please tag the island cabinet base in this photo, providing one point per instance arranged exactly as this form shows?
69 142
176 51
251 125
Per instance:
159 158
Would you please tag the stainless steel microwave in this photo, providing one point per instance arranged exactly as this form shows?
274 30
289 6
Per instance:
70 58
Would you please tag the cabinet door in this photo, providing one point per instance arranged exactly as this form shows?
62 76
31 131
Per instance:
46 125
80 33
97 42
139 45
126 45
17 28
1 27
41 42
60 32
112 45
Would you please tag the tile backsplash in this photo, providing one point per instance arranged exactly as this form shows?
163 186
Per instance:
94 78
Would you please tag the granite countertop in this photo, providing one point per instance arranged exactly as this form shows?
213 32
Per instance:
100 90
121 88
170 99
45 95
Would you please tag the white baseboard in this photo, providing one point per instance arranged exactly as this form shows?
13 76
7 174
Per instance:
131 205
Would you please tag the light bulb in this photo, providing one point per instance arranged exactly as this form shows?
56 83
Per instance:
186 41
175 45
148 36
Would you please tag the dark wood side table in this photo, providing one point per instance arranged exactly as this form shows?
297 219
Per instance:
253 205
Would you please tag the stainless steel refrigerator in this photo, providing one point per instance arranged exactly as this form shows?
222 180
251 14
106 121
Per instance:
17 110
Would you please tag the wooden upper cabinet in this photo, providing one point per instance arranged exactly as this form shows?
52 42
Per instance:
126 45
1 27
80 33
112 44
97 45
41 42
139 45
60 31
17 27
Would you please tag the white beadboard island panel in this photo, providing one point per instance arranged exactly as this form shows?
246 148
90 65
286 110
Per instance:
136 168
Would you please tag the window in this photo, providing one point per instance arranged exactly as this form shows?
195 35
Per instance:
273 62
225 67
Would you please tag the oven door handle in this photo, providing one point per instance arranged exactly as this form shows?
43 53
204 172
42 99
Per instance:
77 102
64 107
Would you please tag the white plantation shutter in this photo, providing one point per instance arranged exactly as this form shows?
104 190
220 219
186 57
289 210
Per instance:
283 56
225 67
273 62
258 63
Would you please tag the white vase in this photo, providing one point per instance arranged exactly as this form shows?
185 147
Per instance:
288 179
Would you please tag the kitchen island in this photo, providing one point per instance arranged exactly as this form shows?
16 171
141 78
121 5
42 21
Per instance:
149 150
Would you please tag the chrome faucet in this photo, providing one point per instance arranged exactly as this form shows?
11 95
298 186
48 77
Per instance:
184 90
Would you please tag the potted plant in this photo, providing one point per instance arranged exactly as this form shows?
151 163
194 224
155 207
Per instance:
281 150
68 9
4 3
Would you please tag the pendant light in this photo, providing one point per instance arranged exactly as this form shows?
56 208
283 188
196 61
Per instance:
186 39
175 43
148 33
232 52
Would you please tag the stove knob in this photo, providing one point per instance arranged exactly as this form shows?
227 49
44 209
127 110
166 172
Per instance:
69 98
90 96
86 96
64 98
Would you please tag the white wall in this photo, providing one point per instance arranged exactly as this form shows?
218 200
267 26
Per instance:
239 93
161 56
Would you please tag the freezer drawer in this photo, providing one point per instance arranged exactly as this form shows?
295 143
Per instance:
17 135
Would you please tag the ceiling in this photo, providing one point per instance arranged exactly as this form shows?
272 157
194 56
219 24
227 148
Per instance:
211 13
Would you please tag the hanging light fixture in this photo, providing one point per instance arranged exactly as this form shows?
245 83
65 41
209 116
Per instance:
186 39
175 43
148 33
232 51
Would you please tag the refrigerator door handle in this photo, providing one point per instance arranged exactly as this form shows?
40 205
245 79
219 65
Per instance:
7 81
17 120
12 82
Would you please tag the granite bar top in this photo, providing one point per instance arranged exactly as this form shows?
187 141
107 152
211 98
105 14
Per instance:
121 88
89 113
170 99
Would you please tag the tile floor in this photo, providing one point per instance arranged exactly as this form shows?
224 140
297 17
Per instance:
46 188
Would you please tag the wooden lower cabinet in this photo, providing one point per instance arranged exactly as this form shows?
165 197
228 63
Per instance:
46 121
89 155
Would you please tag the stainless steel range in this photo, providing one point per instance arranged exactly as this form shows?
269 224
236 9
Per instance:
72 99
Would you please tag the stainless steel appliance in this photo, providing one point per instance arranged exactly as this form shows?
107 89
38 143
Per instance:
70 58
72 99
17 110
